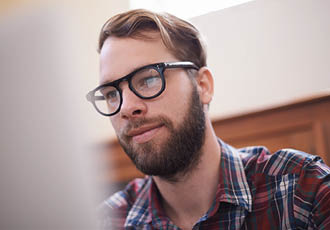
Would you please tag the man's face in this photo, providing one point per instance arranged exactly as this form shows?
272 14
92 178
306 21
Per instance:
162 136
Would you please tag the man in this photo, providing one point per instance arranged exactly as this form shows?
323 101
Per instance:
156 88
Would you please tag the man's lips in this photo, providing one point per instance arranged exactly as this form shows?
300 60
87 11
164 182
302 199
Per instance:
144 133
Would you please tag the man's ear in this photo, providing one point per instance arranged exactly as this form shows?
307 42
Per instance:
205 85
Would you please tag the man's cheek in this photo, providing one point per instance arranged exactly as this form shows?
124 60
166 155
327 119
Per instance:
115 125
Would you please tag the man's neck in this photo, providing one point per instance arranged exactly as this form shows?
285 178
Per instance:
189 197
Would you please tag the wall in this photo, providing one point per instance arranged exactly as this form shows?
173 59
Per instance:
267 52
262 53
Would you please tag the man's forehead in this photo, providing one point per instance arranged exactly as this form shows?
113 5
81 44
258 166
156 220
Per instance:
139 40
121 56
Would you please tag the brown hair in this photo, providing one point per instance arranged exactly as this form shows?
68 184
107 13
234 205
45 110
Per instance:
181 38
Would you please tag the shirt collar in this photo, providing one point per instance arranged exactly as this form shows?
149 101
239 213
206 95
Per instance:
232 188
139 213
147 207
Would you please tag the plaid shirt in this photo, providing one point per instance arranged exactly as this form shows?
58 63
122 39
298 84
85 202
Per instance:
286 190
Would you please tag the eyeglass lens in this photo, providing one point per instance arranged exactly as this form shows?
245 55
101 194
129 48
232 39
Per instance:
145 83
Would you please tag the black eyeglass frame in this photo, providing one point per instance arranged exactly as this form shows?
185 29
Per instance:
159 67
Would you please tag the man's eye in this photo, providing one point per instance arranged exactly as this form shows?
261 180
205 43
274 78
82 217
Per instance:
149 82
111 95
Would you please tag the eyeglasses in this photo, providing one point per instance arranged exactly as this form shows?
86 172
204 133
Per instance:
146 82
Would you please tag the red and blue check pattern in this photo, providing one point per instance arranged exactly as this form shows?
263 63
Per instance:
257 190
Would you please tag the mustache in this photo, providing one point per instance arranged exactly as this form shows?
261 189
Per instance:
135 124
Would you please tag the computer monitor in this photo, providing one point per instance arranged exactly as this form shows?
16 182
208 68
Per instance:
46 170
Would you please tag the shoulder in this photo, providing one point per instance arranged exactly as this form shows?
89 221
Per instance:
282 162
114 210
291 175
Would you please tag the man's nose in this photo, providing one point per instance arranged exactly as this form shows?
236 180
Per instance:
132 106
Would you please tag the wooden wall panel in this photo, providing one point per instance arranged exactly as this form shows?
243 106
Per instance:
303 125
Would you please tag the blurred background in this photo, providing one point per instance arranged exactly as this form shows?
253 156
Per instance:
270 60
264 52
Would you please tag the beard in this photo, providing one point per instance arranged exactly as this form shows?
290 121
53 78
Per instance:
180 153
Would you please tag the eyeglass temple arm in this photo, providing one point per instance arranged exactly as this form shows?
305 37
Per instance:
183 64
91 97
